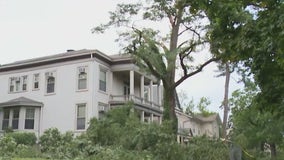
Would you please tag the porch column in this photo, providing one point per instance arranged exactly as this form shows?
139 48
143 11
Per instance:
10 118
152 117
131 83
142 116
159 93
142 87
160 119
151 91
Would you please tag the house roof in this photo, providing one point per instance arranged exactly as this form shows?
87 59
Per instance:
70 55
209 118
21 101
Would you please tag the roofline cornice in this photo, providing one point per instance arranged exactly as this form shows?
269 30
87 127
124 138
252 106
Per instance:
63 57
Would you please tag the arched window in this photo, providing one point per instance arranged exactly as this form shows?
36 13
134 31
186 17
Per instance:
50 84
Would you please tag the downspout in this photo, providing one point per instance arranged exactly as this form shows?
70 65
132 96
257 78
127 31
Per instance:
92 89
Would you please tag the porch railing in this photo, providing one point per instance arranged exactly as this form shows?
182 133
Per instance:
136 99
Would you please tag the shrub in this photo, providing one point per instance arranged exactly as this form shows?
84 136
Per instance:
8 146
57 145
26 138
110 130
118 153
203 148
50 140
121 135
24 151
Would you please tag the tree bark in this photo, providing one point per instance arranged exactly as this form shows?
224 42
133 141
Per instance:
226 101
169 107
169 79
273 150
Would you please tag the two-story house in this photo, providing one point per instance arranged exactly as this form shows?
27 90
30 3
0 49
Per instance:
66 90
197 125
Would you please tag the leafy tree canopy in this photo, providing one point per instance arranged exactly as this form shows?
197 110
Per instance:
252 128
251 31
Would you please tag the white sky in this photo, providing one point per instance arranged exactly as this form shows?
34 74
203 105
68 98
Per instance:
35 28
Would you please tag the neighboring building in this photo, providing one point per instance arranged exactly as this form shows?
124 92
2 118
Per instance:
68 89
197 125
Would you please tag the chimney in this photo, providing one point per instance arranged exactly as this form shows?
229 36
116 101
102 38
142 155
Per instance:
70 50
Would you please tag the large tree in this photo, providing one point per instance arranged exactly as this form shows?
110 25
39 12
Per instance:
253 33
161 54
252 128
262 44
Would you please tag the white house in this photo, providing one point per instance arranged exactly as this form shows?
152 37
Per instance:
197 125
66 90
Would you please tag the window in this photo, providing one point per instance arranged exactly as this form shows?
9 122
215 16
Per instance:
12 84
126 89
5 121
30 118
102 80
15 121
50 85
50 82
82 78
24 84
18 84
81 116
36 81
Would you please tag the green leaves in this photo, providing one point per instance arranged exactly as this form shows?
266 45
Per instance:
120 17
252 128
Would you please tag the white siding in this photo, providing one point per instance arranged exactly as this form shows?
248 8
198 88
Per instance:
59 108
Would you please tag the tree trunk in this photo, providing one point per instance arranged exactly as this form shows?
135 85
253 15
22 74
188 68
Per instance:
226 101
169 79
169 107
262 146
273 150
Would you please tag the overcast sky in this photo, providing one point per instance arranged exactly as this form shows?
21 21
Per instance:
35 28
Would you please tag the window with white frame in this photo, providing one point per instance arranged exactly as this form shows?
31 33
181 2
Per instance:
24 83
102 80
81 116
36 81
12 84
6 117
15 120
82 78
30 118
50 82
18 84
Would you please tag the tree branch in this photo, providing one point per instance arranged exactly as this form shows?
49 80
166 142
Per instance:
182 55
192 30
172 21
199 69
145 59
